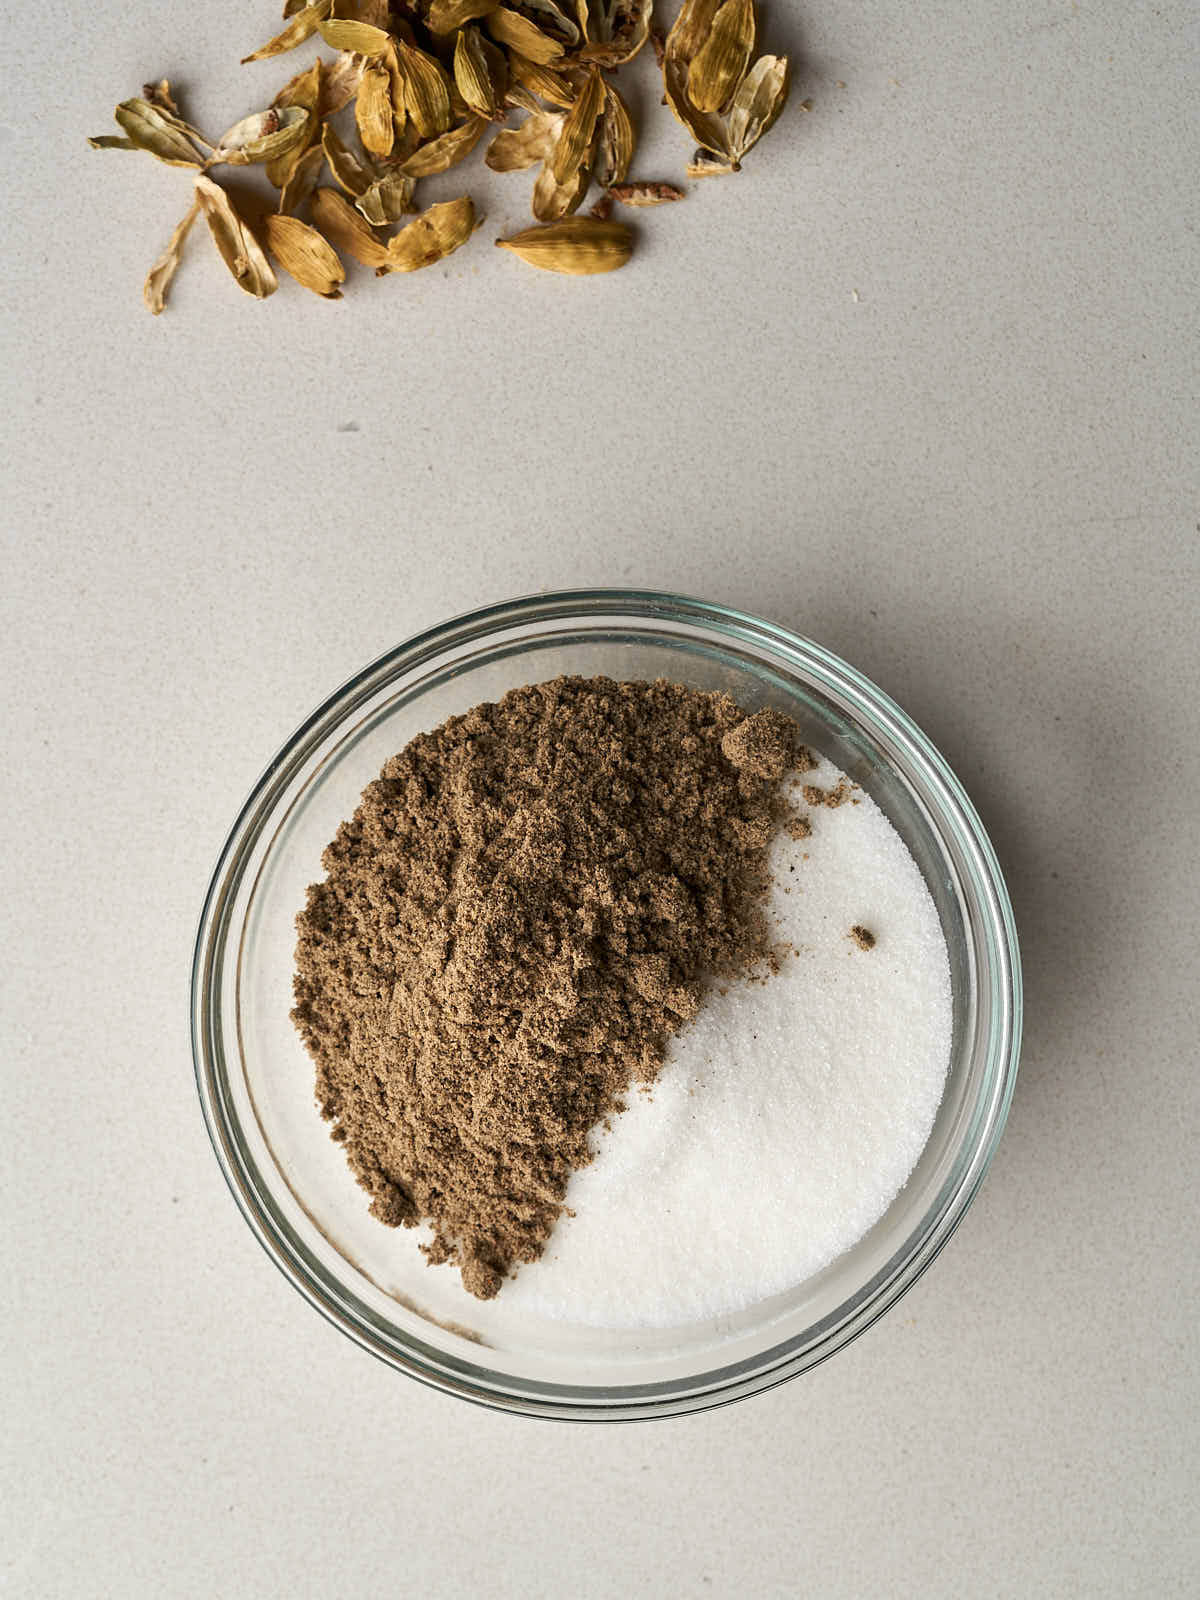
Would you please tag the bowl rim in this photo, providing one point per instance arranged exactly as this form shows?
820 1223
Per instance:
944 793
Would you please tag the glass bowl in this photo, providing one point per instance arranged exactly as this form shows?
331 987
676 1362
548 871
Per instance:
256 1082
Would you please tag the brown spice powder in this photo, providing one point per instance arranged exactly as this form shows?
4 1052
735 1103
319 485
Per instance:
526 905
844 790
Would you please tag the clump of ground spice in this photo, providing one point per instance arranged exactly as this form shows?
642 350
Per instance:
526 905
816 796
761 745
863 937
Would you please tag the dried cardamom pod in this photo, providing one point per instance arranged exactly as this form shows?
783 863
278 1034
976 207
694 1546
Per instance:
480 73
693 65
761 96
552 200
264 136
615 143
707 130
336 218
433 235
579 246
339 83
160 134
446 16
373 110
579 125
391 61
513 149
548 85
517 98
689 30
645 194
303 24
684 42
363 38
309 258
158 279
439 155
426 89
388 199
614 30
458 106
721 62
518 33
408 141
353 175
235 241
301 180
302 90
552 19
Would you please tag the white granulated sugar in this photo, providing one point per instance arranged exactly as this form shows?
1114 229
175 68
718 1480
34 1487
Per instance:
788 1114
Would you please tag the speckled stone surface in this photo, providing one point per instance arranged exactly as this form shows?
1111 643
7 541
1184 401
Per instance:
920 383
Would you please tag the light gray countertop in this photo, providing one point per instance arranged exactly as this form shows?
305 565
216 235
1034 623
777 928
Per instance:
921 384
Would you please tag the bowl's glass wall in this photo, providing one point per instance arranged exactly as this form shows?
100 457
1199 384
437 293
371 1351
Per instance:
292 1180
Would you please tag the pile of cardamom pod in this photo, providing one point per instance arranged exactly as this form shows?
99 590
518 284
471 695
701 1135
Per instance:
427 79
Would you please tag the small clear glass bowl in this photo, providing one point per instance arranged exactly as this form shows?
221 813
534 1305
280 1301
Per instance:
256 1083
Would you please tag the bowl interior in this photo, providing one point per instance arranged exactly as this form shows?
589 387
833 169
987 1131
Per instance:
293 1179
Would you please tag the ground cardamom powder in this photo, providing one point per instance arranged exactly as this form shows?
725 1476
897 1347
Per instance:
526 905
